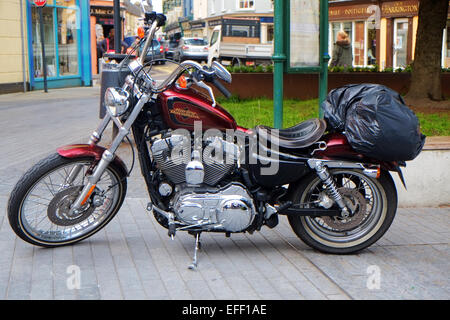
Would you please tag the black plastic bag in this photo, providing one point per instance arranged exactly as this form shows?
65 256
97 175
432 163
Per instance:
375 120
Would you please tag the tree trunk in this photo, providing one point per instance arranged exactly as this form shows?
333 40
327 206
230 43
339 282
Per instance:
426 68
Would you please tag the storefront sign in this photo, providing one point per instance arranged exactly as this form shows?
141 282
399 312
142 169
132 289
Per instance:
400 8
197 25
340 12
349 12
305 29
39 3
213 23
104 11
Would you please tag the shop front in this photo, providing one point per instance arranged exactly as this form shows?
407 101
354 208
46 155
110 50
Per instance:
102 25
66 44
381 33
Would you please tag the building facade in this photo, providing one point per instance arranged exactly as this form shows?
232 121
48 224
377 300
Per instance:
14 66
242 19
66 44
382 33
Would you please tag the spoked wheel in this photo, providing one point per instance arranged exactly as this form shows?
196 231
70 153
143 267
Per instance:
372 203
39 205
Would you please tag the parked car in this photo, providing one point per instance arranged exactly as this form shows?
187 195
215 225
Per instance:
171 47
155 52
191 49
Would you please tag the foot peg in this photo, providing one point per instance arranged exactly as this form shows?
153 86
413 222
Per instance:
194 264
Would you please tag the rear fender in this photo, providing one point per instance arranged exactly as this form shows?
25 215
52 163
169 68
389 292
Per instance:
338 148
74 151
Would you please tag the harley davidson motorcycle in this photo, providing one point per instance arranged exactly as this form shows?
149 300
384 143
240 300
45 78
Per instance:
235 180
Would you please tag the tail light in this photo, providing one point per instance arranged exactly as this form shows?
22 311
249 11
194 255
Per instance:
161 49
185 47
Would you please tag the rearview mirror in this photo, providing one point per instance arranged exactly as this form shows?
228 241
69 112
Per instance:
221 72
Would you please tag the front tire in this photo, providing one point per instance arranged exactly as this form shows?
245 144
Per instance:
376 198
38 204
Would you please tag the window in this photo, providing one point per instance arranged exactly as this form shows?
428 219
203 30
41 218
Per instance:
61 41
214 37
241 28
362 38
49 42
246 4
67 41
446 47
400 42
195 42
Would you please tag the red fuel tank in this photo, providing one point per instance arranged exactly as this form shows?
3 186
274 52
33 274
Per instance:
182 107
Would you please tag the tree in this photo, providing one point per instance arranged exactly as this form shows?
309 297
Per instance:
426 68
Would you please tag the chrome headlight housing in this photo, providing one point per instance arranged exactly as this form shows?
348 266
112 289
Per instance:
116 101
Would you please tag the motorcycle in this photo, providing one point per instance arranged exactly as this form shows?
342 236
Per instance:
204 172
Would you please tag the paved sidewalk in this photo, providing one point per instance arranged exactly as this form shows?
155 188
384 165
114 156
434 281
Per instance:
133 258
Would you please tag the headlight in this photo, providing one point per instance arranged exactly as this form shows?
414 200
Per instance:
116 101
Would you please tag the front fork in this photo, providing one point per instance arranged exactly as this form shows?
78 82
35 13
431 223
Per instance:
108 155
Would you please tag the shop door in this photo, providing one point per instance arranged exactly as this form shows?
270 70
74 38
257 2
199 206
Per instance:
359 44
400 42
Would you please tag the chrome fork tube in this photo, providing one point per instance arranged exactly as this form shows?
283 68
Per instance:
108 156
96 136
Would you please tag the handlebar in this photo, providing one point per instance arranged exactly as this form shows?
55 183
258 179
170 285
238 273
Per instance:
221 88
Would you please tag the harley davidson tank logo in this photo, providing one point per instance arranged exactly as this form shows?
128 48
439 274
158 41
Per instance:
184 113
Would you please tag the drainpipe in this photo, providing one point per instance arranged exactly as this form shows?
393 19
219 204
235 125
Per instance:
24 74
278 58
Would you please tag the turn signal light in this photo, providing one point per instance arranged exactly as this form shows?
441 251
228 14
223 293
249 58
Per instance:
182 82
141 32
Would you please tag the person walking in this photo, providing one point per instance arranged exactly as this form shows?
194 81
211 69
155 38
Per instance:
342 51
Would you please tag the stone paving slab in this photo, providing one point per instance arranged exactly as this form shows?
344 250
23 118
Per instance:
133 258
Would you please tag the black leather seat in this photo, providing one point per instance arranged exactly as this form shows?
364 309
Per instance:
299 136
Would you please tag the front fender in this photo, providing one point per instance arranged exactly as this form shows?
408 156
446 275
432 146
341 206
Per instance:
87 150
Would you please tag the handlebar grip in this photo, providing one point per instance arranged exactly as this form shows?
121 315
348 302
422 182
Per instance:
161 18
221 88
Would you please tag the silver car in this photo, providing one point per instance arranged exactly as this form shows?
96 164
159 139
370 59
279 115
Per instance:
191 49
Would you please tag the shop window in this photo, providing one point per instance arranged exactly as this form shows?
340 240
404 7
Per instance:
270 34
60 39
447 49
67 42
241 29
49 42
371 46
400 42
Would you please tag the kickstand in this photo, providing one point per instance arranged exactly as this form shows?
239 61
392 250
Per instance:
193 265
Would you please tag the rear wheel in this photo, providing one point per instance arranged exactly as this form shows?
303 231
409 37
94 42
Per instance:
39 205
372 202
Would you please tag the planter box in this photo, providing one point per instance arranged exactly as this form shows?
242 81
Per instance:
306 86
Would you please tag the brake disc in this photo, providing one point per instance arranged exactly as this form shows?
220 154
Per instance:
356 203
59 208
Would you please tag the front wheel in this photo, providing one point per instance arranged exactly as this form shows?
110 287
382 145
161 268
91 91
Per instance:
373 203
39 205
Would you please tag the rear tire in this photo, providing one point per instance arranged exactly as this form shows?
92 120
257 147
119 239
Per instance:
374 223
20 200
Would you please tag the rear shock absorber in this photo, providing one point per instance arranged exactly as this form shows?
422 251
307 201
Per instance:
333 192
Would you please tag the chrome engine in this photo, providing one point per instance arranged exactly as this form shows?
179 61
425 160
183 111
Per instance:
174 154
196 200
230 208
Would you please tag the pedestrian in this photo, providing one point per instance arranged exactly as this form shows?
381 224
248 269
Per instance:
108 44
342 51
